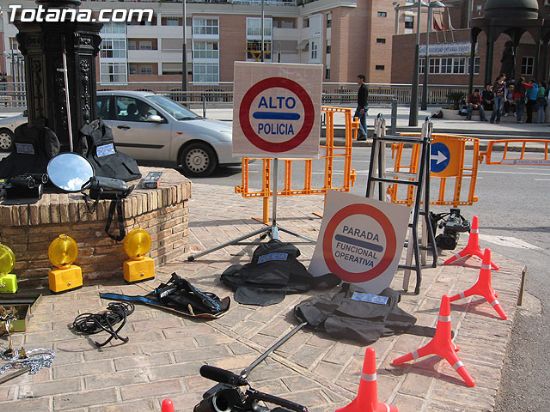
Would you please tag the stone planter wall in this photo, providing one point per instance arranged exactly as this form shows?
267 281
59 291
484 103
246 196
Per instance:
29 228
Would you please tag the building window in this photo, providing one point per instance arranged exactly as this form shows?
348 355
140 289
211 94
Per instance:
205 27
284 23
205 50
314 49
306 22
142 44
446 65
382 14
254 50
141 68
459 65
380 67
113 28
205 72
328 49
254 27
171 68
381 40
329 20
115 73
409 22
476 65
527 65
434 66
171 21
113 48
327 74
422 66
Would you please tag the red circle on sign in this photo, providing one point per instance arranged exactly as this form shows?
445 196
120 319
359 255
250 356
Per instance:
246 104
391 243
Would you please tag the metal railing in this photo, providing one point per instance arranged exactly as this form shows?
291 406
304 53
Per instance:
221 95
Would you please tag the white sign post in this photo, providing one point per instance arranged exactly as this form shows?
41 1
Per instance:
277 110
361 240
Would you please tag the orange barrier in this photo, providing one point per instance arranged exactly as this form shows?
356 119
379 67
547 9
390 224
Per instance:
467 164
515 152
330 153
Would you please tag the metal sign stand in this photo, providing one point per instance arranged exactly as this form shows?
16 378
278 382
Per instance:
272 231
377 176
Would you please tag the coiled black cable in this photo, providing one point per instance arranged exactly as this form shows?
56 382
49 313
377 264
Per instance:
92 323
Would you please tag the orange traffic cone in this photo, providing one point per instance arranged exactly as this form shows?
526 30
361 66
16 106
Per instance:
441 345
367 395
167 405
472 248
483 286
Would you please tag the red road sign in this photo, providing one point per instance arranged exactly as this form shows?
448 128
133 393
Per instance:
308 118
389 249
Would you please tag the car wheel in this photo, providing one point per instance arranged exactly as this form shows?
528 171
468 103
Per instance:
6 139
198 160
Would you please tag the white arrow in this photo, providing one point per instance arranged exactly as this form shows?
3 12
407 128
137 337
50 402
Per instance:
440 157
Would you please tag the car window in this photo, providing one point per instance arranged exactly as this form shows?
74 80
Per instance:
131 109
103 107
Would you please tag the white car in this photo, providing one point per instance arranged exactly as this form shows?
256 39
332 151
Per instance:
151 127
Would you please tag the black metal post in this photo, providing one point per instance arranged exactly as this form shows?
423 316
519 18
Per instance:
489 57
184 54
473 43
424 105
413 113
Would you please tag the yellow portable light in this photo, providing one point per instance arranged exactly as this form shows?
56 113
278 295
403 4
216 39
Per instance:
62 253
8 281
138 267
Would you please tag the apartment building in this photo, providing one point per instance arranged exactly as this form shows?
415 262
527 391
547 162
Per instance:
450 36
347 37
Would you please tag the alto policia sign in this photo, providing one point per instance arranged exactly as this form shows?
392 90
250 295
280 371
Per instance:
360 241
277 109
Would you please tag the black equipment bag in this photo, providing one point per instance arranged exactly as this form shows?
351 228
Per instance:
273 273
346 316
115 190
181 297
34 147
97 145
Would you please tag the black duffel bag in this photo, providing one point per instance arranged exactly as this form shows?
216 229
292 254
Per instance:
34 147
98 146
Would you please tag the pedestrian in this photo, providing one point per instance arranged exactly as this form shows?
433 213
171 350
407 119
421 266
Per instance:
488 97
362 107
531 94
474 103
541 103
519 99
499 88
509 103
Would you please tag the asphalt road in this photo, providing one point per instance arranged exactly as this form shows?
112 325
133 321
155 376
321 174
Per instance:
513 211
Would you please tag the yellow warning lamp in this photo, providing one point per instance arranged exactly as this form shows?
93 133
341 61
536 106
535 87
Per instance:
138 267
8 281
62 253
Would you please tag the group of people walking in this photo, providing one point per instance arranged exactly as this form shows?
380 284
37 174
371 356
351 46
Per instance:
504 97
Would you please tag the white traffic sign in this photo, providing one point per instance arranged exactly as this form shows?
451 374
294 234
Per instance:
361 240
277 109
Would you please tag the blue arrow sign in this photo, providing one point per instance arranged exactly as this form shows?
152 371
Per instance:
441 157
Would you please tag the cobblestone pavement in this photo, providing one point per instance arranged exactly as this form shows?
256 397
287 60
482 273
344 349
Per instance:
165 352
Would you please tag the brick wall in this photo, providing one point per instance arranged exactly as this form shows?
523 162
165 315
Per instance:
164 213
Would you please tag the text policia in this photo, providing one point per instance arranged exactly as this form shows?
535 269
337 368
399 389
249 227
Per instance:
277 103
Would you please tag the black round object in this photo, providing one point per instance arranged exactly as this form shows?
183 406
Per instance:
198 159
512 9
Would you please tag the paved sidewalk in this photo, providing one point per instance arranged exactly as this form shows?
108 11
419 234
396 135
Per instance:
165 352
